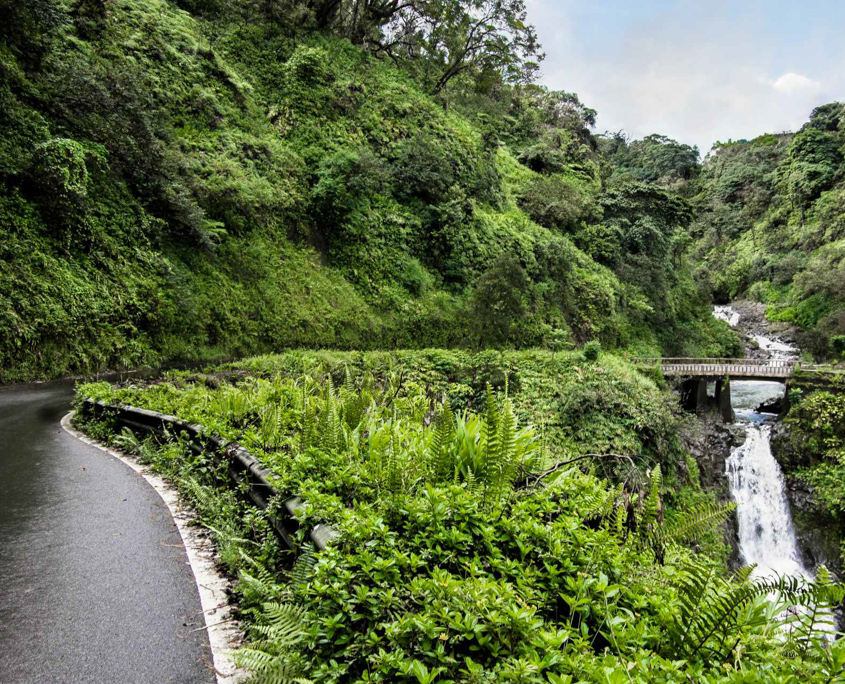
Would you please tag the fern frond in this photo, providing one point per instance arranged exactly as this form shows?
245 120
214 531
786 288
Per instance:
285 621
491 439
128 441
268 668
711 606
690 525
306 435
502 470
304 564
439 465
651 503
273 660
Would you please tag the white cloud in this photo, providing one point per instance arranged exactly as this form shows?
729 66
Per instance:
792 83
653 74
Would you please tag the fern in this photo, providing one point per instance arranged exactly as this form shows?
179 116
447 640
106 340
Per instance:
708 626
270 427
128 441
810 629
273 659
490 440
507 461
330 423
304 565
690 525
284 623
306 435
651 504
204 497
687 527
441 461
268 668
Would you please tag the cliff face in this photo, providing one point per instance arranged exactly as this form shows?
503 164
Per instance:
819 533
710 441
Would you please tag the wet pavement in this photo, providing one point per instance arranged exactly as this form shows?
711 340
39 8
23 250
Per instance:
95 584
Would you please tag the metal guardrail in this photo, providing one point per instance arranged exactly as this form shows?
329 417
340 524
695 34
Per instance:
817 368
243 467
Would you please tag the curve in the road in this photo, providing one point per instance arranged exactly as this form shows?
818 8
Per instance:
95 584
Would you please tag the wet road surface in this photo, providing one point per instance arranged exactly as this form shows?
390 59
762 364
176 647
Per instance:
95 584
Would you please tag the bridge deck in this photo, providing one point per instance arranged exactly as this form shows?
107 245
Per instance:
761 369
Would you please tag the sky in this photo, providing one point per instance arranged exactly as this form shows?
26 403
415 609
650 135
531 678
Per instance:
697 71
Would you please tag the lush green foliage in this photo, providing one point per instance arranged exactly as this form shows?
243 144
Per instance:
655 159
817 431
771 225
462 556
218 178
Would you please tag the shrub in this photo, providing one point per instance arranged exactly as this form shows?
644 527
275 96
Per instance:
498 301
308 66
414 277
423 169
554 203
592 350
544 158
60 176
345 180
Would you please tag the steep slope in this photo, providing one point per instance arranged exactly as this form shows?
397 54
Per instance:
182 186
771 226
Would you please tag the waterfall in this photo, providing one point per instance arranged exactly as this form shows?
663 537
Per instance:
766 536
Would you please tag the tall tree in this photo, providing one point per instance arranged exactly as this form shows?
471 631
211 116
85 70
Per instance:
453 37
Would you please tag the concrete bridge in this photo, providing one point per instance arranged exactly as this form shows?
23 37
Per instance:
748 369
695 374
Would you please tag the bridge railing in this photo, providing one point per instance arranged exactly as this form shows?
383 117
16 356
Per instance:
687 361
738 367
722 366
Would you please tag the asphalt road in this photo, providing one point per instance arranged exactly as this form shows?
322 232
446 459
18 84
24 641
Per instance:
95 584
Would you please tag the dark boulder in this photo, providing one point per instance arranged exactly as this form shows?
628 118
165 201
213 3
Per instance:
773 405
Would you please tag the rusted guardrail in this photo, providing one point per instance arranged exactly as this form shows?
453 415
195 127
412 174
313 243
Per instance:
243 467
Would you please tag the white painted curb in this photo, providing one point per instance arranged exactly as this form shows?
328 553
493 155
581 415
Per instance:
223 631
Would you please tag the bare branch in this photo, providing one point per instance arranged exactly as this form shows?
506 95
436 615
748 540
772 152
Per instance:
562 464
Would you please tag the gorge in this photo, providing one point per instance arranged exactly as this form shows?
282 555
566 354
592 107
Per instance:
449 317
766 535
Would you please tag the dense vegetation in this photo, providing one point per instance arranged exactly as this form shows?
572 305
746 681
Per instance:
811 451
472 547
771 226
196 179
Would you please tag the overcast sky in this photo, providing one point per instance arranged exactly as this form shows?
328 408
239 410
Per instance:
696 71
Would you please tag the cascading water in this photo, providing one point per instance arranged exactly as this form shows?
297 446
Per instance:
766 535
726 314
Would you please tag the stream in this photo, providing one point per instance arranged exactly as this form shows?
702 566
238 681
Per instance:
766 533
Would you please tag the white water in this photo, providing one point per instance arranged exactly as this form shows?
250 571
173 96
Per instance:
775 348
766 534
727 314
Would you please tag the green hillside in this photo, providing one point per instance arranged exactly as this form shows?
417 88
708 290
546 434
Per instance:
206 179
771 226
